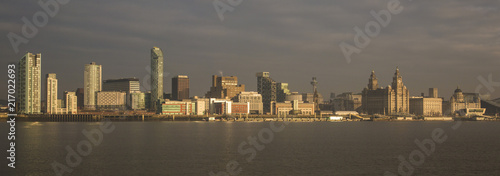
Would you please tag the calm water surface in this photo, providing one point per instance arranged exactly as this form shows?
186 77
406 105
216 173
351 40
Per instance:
198 148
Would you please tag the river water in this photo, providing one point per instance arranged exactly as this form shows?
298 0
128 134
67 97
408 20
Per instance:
255 148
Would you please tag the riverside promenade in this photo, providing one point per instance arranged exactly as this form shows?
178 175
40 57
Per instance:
96 117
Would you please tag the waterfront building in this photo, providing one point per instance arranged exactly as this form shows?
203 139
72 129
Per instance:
70 102
202 105
282 91
348 102
178 108
51 94
29 84
180 87
111 100
220 106
156 78
392 100
293 96
266 86
255 100
293 107
137 101
127 85
492 107
433 93
427 106
461 103
240 108
225 87
80 94
228 107
309 97
92 84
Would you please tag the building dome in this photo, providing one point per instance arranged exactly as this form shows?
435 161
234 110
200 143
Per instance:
458 90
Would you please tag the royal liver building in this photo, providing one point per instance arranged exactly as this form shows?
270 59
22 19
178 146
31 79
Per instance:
392 100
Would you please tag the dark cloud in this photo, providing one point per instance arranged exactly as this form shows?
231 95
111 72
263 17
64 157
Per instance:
435 43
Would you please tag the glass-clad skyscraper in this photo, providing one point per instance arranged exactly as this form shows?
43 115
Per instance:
156 78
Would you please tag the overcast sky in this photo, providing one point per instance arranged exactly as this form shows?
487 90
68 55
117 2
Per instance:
435 43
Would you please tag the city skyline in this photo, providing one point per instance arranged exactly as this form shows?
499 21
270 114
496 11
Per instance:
443 54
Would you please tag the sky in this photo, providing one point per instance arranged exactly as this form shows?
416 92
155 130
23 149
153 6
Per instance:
442 44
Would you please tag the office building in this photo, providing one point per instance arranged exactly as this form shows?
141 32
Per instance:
156 78
51 94
282 91
202 105
392 100
255 100
111 100
137 101
29 84
294 96
178 108
347 102
309 97
240 108
293 108
92 85
225 87
127 85
180 87
266 86
433 93
427 106
80 94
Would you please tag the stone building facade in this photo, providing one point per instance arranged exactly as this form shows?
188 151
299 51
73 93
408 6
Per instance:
392 100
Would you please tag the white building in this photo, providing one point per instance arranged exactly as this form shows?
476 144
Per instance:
255 100
29 84
70 101
51 94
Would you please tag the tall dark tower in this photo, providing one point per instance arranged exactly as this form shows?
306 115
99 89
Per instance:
180 87
314 83
267 88
373 82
